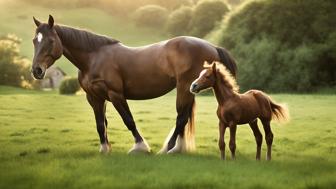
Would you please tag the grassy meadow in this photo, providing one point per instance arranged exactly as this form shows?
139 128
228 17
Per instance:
50 141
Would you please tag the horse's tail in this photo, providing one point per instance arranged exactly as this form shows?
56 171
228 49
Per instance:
189 130
279 112
227 59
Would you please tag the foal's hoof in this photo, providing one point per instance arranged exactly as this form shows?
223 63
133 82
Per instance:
105 148
140 147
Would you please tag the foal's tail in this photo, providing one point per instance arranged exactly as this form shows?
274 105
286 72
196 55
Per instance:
279 112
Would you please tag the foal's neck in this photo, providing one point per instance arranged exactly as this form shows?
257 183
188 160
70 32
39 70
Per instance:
222 93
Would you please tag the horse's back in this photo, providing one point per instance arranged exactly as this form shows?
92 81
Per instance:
187 54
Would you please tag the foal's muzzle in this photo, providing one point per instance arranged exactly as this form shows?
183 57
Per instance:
194 88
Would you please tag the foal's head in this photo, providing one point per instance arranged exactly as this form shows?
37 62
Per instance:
206 79
47 45
210 75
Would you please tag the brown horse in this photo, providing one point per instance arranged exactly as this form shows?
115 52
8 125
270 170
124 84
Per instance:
111 71
235 108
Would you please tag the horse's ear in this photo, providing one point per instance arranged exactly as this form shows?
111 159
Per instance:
37 23
50 21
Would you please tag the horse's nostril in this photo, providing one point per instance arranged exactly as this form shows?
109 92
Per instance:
38 71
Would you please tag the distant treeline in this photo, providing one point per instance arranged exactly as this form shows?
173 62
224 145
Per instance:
283 45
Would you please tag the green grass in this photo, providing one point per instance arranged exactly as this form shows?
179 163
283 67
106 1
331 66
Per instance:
50 141
16 17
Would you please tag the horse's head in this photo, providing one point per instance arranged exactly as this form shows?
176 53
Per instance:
206 79
48 47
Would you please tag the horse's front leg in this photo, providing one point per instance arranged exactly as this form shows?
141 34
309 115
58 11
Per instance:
98 106
120 104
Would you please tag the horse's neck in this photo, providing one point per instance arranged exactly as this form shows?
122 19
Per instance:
222 93
78 58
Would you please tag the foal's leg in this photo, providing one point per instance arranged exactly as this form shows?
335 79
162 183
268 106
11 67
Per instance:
268 138
258 137
120 104
232 144
221 142
98 106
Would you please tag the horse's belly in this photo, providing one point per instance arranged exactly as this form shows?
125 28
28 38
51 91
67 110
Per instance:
148 88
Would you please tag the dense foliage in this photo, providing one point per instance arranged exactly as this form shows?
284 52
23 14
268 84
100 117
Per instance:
69 85
14 69
151 16
197 20
283 45
179 21
205 16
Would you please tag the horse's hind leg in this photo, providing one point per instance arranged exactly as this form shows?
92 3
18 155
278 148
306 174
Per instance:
120 104
98 106
258 137
232 143
268 138
184 108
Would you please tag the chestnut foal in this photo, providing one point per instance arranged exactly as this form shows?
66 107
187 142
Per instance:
235 108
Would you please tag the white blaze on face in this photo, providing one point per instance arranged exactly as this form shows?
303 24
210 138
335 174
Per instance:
202 73
39 37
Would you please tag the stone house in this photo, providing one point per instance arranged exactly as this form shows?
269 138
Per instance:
53 78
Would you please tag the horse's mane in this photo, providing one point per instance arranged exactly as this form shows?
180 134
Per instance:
227 78
82 39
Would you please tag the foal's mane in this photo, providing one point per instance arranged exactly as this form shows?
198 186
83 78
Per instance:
82 39
226 77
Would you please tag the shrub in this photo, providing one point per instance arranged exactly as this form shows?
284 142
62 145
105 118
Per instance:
14 69
179 21
69 85
205 16
283 45
150 16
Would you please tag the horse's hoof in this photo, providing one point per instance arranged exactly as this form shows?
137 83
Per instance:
162 151
175 150
140 147
105 148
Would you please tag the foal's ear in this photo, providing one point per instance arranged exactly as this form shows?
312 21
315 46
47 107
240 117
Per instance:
213 66
206 64
50 21
37 23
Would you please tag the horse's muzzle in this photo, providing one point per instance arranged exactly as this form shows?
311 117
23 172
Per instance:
38 73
